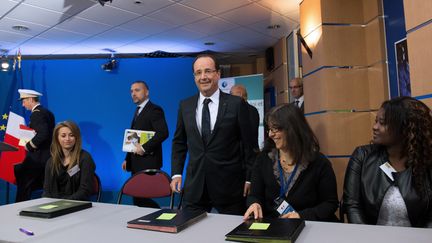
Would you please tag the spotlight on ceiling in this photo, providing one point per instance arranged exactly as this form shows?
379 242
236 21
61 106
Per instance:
110 65
4 61
102 2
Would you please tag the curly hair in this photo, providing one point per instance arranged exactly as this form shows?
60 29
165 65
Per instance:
411 121
303 145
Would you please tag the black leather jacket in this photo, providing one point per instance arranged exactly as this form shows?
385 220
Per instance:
366 184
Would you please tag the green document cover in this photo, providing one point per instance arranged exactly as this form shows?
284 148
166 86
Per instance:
267 230
55 208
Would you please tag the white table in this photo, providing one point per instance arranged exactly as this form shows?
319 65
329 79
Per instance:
107 223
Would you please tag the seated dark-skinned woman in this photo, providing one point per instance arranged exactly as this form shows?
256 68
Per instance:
291 178
389 181
70 170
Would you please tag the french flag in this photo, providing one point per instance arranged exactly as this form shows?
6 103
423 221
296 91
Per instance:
14 130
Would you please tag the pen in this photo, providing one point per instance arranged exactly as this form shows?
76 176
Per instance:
27 232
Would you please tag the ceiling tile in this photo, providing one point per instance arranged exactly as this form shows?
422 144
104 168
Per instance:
84 26
61 36
146 6
248 38
285 26
34 29
141 47
178 15
219 44
247 14
211 26
41 46
147 26
7 45
10 36
6 6
37 15
282 6
215 7
70 7
107 15
78 49
177 36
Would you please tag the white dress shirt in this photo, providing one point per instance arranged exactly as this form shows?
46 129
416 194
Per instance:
213 108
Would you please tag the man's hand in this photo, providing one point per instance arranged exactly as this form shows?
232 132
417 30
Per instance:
246 189
176 184
124 165
139 149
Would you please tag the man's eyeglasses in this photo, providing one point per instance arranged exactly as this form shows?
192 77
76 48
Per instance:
295 87
207 72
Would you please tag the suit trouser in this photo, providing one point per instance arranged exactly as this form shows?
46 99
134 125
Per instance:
237 207
28 179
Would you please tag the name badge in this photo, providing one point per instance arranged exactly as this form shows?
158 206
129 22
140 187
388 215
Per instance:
388 169
72 171
283 207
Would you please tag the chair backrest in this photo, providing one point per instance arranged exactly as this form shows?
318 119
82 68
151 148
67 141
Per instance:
148 184
97 187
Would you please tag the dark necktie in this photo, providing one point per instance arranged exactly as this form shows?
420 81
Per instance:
136 113
297 103
205 121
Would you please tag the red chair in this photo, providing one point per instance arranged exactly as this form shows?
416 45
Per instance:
148 184
97 187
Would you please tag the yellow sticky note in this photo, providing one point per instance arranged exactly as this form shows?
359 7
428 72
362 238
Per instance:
259 226
166 216
49 206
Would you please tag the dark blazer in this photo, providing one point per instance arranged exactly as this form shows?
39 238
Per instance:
366 184
313 195
254 121
301 107
78 187
151 118
42 121
218 164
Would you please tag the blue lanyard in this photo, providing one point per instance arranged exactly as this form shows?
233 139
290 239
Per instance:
284 187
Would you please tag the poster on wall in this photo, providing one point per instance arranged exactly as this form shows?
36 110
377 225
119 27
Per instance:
402 68
254 87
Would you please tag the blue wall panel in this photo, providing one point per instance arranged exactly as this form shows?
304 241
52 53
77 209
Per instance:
395 31
100 102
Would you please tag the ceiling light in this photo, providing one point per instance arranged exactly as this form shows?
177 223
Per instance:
138 2
102 2
209 43
110 65
273 27
4 61
20 28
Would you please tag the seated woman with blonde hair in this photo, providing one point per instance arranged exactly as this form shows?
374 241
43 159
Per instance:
69 173
389 182
291 178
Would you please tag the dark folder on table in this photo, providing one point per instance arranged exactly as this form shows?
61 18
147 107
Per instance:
267 230
167 220
55 208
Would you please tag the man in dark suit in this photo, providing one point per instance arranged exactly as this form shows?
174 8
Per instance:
296 87
30 173
148 117
211 126
240 91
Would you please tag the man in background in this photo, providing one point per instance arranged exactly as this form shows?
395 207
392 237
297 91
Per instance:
30 173
240 91
296 87
212 127
147 117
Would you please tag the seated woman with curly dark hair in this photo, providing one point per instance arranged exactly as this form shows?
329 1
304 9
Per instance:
291 178
69 173
389 182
